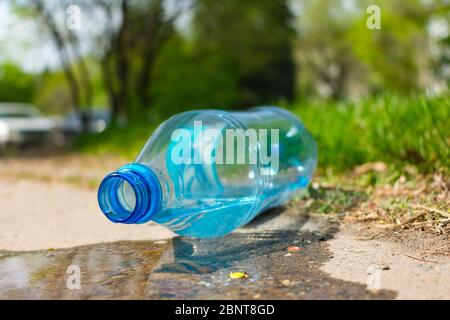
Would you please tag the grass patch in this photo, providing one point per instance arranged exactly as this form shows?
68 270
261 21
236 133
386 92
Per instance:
124 141
396 131
334 200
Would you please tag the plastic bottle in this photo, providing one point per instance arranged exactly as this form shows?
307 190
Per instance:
205 173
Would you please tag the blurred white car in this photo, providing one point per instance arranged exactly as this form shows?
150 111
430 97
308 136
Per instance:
22 124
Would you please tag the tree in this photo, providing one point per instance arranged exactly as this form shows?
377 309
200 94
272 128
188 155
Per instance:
325 58
67 45
252 38
396 56
126 41
340 57
129 51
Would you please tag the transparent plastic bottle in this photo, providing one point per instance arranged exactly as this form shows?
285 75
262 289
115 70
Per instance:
205 173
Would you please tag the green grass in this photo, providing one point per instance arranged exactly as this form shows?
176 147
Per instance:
123 141
396 131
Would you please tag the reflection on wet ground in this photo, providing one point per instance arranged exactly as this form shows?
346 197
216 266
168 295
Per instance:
188 268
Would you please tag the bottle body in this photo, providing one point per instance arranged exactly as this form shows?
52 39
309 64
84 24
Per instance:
217 170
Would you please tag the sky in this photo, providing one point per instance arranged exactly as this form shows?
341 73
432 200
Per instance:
22 42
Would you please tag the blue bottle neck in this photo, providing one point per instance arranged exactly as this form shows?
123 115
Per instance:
131 195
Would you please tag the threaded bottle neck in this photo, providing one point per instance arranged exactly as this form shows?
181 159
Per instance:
131 195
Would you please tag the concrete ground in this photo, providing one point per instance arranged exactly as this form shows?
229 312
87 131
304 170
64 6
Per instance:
49 219
52 203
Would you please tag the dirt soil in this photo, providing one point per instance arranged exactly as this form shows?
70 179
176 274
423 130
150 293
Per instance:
50 203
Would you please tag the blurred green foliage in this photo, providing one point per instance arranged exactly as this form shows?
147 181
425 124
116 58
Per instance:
254 39
341 58
185 81
53 94
237 54
15 84
229 61
366 95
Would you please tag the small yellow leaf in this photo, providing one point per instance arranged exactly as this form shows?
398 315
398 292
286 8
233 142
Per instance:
238 275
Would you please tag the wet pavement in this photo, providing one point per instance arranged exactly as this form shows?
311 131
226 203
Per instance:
184 268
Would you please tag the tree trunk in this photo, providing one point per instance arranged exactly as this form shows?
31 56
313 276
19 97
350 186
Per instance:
63 54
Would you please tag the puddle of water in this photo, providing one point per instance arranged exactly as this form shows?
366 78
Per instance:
199 269
185 268
113 270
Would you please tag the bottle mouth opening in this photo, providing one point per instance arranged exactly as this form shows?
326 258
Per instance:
117 197
132 194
